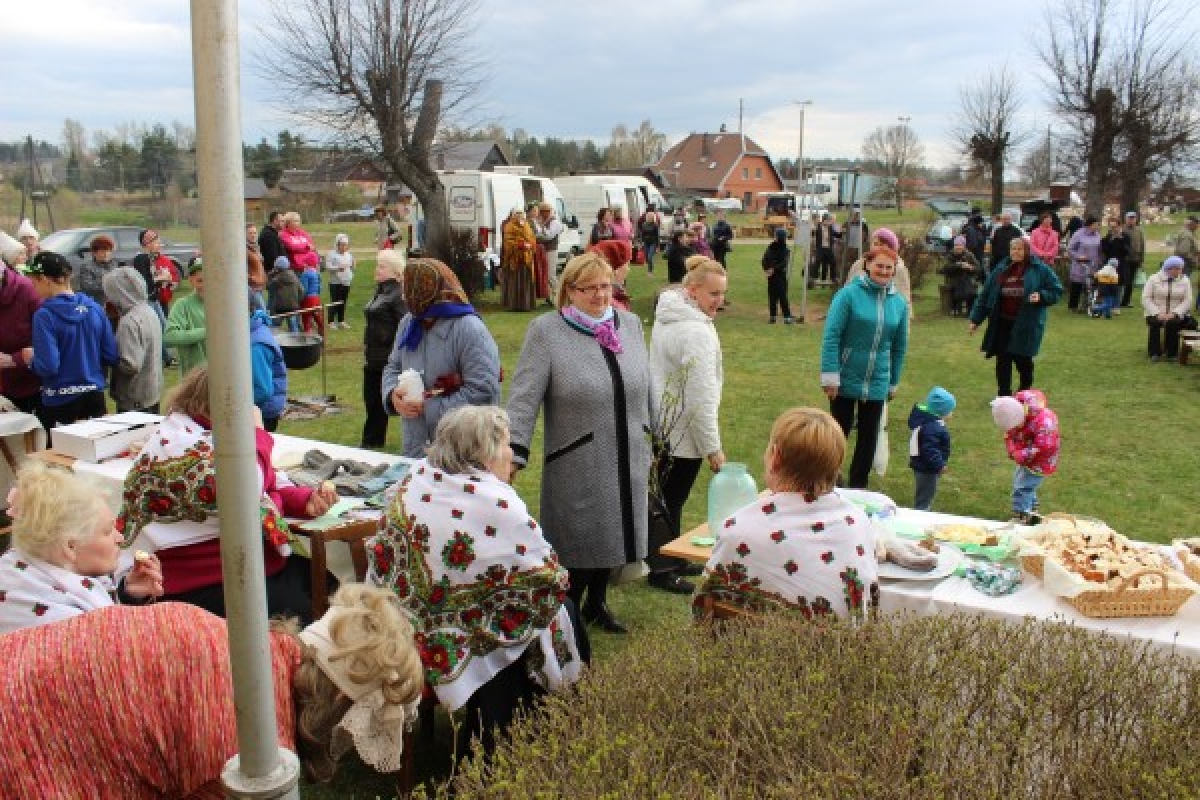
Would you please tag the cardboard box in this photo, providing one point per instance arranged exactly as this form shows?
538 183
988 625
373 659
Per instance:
98 439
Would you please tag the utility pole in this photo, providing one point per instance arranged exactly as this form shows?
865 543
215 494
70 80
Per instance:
803 226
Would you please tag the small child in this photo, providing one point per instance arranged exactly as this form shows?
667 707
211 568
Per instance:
929 444
1108 290
267 371
137 378
1031 437
310 281
284 292
775 265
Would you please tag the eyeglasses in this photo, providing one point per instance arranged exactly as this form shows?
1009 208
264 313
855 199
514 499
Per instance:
599 288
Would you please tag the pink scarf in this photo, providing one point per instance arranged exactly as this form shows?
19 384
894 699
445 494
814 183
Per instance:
604 330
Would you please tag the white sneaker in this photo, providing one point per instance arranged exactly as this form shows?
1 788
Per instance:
345 326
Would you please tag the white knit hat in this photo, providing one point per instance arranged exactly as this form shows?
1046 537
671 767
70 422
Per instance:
1008 412
10 248
26 229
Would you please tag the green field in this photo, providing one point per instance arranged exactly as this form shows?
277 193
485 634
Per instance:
1127 445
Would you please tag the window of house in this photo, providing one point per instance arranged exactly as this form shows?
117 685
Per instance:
758 173
745 173
747 200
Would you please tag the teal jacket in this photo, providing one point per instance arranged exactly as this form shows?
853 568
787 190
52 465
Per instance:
1030 325
866 337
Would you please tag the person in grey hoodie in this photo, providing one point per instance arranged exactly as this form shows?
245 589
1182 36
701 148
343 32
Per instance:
137 378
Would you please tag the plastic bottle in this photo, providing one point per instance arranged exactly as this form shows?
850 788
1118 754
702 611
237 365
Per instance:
730 489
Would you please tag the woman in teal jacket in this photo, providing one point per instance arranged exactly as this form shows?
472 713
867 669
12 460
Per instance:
1014 300
862 354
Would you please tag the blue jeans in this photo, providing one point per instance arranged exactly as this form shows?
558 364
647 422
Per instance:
926 488
649 247
1024 492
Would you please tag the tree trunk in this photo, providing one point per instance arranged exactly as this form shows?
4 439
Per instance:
998 184
1100 153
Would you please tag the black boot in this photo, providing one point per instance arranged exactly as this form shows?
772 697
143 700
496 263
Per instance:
605 619
671 582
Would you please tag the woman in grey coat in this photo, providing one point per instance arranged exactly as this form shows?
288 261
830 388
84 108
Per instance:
587 366
445 341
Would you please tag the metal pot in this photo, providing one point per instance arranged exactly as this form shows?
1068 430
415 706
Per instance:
300 350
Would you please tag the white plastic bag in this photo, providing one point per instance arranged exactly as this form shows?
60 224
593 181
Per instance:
411 385
880 464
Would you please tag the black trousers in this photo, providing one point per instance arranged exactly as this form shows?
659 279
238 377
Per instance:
1006 360
494 705
590 582
826 265
374 432
675 481
1156 330
1129 271
29 405
1074 295
270 424
869 413
289 592
777 293
338 294
84 406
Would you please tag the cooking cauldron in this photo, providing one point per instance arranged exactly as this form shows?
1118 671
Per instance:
300 350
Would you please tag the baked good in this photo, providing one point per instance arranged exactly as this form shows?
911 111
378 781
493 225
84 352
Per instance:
911 555
929 544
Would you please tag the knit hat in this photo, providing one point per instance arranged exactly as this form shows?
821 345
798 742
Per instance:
960 239
281 263
50 265
147 236
781 234
341 238
939 402
888 238
26 229
1109 270
1008 412
617 252
10 248
1173 262
195 265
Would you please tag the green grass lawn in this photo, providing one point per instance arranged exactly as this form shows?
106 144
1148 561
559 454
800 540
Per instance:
1127 441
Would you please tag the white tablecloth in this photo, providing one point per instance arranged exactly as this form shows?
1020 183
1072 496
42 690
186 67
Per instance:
13 427
1181 632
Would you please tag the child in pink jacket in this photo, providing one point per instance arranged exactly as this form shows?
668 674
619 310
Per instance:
1031 437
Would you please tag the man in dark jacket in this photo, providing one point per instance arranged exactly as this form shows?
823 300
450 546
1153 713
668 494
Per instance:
270 247
722 238
976 237
1003 236
775 265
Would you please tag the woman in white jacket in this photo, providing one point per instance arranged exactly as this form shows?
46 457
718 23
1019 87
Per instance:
686 376
1166 298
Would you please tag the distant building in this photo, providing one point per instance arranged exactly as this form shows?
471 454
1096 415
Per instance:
483 156
255 197
720 165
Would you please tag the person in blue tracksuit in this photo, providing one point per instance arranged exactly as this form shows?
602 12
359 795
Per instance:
862 354
267 371
73 345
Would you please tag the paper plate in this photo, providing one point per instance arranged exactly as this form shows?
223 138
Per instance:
949 559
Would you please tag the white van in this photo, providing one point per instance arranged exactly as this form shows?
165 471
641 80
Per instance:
587 194
481 201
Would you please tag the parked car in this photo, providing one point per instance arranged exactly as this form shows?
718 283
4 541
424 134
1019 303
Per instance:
952 215
364 214
75 245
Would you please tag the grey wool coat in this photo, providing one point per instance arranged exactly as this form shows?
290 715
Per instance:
596 450
460 346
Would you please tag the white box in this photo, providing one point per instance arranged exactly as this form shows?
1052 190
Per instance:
97 439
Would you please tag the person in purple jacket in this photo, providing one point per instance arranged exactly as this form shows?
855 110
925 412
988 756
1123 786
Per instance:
73 345
18 301
1084 250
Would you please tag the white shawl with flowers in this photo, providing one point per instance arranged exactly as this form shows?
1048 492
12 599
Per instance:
33 592
483 585
814 556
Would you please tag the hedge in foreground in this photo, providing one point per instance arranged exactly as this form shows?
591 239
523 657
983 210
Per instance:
940 707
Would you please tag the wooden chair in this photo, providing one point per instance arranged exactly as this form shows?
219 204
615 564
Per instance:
1188 341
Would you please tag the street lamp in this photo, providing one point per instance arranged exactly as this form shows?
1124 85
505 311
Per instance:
802 224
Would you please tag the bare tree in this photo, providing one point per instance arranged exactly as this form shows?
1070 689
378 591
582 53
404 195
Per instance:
985 128
895 152
1121 78
1037 165
381 75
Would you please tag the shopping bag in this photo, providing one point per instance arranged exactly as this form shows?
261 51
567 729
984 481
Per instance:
879 465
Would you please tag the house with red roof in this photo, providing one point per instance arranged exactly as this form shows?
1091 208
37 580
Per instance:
720 165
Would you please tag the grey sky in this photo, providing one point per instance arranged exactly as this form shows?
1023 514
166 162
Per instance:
575 69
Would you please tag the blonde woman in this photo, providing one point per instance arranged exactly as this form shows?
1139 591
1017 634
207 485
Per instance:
587 366
297 244
685 368
64 552
141 699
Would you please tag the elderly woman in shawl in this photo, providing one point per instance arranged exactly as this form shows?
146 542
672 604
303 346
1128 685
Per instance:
64 552
518 246
444 347
485 588
169 508
137 703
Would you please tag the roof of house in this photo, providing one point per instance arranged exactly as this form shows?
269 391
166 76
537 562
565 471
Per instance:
255 189
704 160
467 155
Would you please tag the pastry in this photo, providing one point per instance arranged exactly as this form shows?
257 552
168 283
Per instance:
141 556
911 556
930 544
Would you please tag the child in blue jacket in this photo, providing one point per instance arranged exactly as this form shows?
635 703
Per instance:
268 373
929 444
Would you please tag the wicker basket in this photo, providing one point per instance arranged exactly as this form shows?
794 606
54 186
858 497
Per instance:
1034 565
1191 566
1129 600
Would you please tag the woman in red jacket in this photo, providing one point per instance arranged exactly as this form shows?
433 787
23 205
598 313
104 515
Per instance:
169 508
1044 240
18 300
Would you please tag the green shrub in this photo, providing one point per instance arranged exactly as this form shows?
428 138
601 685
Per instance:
938 707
